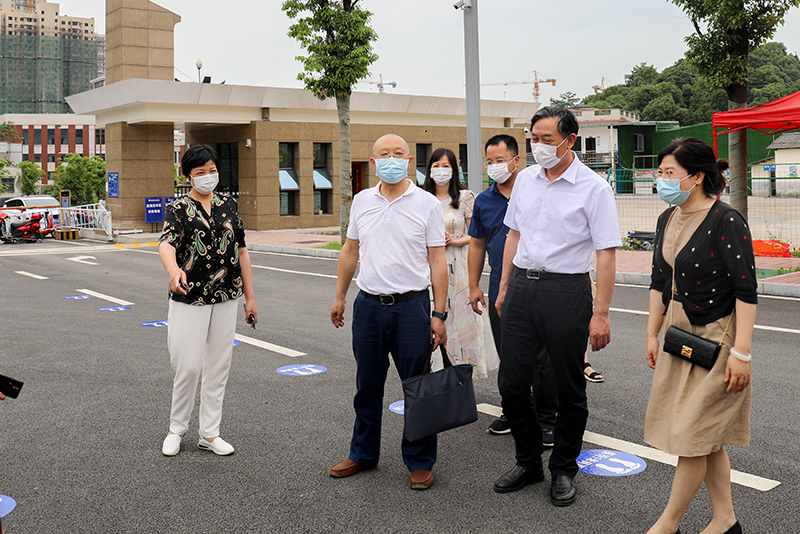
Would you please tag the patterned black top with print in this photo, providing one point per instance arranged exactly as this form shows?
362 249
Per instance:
714 269
206 248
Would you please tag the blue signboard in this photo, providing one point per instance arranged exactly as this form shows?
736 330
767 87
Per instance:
113 185
398 407
79 297
155 324
6 505
115 308
769 167
608 463
153 210
301 370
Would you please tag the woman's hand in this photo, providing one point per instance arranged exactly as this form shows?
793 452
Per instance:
250 309
737 374
652 351
177 279
447 239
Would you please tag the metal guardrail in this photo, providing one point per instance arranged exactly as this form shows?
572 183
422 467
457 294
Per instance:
86 217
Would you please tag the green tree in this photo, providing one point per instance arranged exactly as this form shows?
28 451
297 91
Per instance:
85 178
641 74
8 133
338 40
568 100
726 32
29 177
3 173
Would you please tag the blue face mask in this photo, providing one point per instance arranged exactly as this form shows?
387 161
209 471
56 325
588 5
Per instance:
669 190
391 170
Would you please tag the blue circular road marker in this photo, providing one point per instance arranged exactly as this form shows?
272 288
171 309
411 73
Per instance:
155 324
6 504
79 297
236 342
398 407
115 308
301 370
608 463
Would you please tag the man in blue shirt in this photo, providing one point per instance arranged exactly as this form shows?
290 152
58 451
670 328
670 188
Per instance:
488 234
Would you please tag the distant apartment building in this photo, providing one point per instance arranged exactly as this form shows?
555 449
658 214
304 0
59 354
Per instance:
47 140
44 56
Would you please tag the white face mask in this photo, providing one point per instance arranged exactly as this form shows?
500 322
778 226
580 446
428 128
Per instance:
206 183
499 171
441 175
546 154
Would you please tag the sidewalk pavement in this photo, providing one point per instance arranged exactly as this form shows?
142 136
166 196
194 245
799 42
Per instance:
633 267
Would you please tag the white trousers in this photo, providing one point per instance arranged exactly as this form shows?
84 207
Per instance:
200 340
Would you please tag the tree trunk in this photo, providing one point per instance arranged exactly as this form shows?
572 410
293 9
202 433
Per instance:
345 164
737 152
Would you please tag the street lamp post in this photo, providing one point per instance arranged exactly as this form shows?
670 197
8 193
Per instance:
199 66
472 71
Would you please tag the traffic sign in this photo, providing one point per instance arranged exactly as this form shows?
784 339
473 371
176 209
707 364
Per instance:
301 370
398 407
114 308
608 463
79 297
6 504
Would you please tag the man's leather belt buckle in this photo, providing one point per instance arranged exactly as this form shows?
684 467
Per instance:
686 351
387 300
532 274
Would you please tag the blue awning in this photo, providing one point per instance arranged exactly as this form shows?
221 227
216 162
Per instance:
288 180
322 180
420 176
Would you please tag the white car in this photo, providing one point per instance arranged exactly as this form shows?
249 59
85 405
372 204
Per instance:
32 201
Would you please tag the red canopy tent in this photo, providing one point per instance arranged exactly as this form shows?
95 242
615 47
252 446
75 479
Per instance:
774 117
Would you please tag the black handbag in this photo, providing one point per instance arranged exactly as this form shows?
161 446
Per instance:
686 345
435 402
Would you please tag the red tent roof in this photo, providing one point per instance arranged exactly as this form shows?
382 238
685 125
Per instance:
774 117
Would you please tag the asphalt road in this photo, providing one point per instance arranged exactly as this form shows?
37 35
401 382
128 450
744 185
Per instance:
80 449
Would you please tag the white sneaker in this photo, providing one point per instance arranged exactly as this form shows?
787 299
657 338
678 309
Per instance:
172 445
219 446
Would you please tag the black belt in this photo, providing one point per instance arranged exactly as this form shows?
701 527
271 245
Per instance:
388 300
536 274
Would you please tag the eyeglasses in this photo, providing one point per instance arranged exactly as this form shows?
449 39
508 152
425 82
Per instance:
497 162
395 155
668 175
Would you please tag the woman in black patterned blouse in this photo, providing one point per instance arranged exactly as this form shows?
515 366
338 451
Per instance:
203 250
693 412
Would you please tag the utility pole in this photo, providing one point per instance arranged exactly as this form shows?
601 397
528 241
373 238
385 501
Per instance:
473 77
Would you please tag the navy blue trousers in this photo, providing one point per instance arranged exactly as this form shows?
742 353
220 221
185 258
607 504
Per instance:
404 331
550 314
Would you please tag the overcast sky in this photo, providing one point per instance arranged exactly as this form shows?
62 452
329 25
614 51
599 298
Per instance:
421 42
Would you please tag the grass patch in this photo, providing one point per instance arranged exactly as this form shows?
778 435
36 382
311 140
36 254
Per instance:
333 245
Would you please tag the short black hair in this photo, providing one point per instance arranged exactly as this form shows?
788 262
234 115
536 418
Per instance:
567 123
197 156
511 143
696 156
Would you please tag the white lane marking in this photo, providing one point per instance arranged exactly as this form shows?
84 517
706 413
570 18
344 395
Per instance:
737 477
82 259
142 250
778 297
295 272
269 346
292 255
64 250
649 453
31 275
105 297
758 326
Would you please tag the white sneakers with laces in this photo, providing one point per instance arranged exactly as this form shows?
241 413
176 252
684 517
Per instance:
218 446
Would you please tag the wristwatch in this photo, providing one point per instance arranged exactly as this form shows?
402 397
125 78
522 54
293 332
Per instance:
442 316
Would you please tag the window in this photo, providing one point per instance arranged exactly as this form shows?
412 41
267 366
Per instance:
24 136
51 136
228 167
323 186
79 135
51 158
24 156
37 158
64 136
37 136
290 189
462 160
638 142
423 153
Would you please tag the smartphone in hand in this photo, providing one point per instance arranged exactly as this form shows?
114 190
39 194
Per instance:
251 320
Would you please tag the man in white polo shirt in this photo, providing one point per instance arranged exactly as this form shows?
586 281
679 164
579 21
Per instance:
397 231
561 214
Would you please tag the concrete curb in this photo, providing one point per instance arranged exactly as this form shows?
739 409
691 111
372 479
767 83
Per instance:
640 279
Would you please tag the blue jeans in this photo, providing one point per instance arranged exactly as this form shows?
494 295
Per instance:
404 330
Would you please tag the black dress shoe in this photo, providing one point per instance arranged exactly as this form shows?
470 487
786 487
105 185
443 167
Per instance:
563 490
735 529
518 478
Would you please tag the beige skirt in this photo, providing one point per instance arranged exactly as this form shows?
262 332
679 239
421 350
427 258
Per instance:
689 412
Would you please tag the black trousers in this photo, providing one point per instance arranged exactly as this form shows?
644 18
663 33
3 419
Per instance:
552 314
545 390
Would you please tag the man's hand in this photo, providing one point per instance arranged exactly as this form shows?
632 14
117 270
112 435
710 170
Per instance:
498 304
337 313
438 332
599 331
476 296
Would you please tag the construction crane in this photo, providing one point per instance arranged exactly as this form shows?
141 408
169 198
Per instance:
381 84
535 82
600 88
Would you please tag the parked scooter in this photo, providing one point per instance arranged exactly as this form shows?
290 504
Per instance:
20 229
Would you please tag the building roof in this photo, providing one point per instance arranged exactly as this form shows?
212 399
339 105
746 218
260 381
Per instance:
787 140
141 101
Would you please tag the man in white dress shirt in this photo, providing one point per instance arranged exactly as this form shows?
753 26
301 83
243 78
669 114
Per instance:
397 231
561 214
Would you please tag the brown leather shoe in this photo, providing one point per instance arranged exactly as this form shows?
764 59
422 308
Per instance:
421 479
347 467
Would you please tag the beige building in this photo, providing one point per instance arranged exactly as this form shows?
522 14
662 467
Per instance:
279 147
35 17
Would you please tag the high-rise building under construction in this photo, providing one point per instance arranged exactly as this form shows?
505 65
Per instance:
44 56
